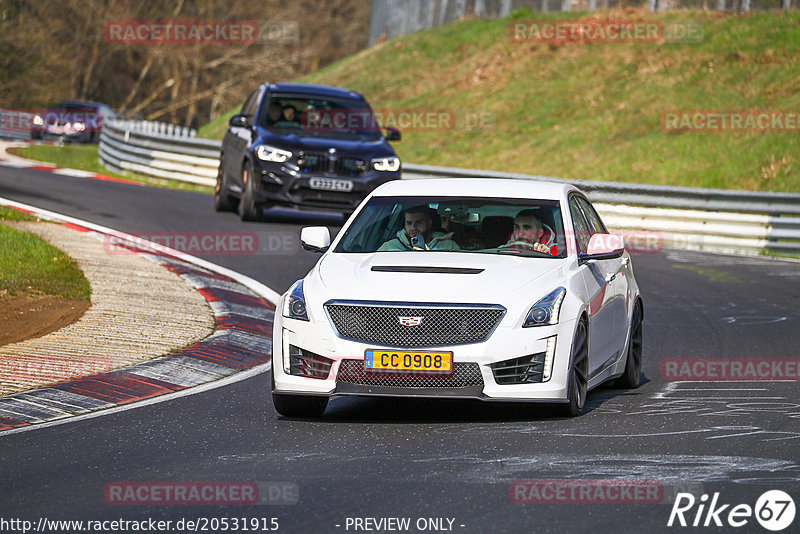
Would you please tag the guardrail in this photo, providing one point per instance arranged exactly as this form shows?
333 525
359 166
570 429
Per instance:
159 151
740 222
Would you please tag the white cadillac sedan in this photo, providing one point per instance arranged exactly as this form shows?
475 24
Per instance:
498 290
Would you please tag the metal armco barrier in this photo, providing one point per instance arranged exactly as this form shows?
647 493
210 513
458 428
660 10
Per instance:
159 151
740 222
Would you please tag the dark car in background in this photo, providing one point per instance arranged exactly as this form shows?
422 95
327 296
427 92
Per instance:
77 121
305 146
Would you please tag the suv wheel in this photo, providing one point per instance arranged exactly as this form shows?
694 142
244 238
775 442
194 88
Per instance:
248 209
222 198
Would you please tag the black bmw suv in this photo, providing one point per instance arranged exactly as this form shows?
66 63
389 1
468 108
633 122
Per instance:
302 145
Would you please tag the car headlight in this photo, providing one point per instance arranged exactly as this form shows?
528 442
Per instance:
270 153
294 306
546 310
387 164
38 120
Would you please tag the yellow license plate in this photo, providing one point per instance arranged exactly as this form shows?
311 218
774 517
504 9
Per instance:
390 360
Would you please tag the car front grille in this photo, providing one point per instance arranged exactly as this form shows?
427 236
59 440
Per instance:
339 165
465 374
439 324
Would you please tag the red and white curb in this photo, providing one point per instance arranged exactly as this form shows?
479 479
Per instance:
240 347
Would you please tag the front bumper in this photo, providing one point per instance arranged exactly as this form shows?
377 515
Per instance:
505 343
280 184
72 136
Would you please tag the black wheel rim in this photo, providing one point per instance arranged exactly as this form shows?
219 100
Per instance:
246 201
580 365
636 341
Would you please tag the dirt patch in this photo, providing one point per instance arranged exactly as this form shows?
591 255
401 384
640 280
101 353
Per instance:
26 317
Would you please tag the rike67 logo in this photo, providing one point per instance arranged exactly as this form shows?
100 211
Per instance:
774 510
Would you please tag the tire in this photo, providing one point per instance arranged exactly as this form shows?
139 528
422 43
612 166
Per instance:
299 405
578 372
248 210
222 198
631 378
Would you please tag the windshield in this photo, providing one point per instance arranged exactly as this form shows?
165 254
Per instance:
519 227
306 115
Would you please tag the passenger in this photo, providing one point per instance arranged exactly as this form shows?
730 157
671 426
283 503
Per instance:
418 221
529 233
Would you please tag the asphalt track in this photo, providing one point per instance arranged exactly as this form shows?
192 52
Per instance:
433 459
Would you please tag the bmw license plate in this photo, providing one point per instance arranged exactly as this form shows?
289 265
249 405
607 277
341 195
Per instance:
330 184
427 362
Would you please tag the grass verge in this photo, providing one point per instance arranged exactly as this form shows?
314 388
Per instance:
31 266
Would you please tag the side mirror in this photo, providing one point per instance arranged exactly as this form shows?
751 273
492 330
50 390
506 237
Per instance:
393 134
238 120
315 238
604 247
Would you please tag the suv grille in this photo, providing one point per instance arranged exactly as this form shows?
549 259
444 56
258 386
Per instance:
464 375
444 324
339 165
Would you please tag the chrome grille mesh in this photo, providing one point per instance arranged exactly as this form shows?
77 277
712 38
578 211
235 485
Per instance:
465 374
445 325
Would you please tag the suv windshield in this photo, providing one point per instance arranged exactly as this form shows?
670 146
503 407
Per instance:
520 227
311 115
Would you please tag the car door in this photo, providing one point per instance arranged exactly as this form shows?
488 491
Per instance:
619 284
238 139
597 276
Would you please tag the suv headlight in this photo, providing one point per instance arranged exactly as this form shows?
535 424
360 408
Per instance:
270 153
546 310
294 306
386 164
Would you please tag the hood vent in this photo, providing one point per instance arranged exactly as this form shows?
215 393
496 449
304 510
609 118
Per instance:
422 269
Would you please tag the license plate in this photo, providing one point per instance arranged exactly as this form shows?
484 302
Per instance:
390 360
329 184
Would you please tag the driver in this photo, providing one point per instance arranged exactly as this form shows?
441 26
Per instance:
418 221
275 112
530 234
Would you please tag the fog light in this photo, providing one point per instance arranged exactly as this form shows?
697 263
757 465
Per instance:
307 364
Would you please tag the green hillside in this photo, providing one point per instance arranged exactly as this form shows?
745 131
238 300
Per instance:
591 110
